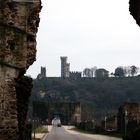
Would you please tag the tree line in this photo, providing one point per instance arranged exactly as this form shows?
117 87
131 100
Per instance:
121 71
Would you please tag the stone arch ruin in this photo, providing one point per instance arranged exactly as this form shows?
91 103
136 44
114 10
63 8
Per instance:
19 20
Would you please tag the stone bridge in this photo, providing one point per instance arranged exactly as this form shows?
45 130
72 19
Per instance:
19 20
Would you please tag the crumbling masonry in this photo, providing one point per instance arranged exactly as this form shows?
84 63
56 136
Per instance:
19 21
135 10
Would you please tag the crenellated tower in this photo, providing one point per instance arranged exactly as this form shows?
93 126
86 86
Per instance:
65 67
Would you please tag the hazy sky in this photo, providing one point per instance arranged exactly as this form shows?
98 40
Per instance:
91 33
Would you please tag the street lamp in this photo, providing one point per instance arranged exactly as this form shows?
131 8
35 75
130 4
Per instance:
47 123
105 122
34 125
125 121
92 123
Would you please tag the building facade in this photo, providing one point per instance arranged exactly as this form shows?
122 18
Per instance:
77 113
101 73
129 116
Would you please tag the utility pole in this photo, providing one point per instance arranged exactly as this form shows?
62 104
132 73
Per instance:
105 122
125 125
34 127
34 124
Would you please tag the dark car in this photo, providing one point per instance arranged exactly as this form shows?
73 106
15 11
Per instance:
59 125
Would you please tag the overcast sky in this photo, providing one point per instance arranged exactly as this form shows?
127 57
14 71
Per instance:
91 33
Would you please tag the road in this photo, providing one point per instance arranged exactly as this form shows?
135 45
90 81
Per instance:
60 133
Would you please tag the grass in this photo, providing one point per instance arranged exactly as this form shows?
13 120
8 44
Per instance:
41 129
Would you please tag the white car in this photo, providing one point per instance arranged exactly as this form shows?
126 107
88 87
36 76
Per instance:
56 122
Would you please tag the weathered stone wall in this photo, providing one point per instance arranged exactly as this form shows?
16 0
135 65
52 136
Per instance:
8 108
23 89
19 20
135 10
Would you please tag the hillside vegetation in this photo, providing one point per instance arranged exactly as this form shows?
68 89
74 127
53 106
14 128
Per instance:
99 97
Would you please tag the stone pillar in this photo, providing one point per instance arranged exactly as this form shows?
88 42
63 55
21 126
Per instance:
19 21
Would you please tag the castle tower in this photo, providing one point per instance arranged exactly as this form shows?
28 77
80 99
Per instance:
65 67
42 74
43 71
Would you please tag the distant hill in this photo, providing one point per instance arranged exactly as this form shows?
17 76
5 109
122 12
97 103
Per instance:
99 97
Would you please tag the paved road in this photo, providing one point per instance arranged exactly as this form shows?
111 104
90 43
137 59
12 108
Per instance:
59 133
